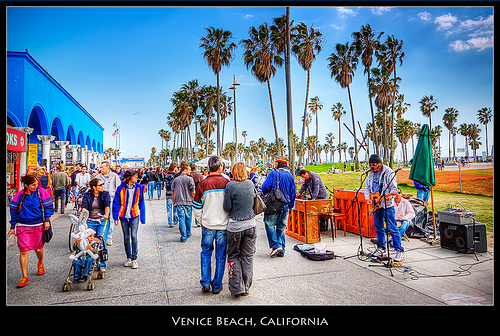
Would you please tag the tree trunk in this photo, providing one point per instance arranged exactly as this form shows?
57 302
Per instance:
291 143
354 130
218 116
305 114
274 119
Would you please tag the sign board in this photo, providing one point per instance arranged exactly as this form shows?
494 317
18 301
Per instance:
32 157
16 140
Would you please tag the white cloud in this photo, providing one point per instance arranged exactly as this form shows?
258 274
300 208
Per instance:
380 10
459 45
445 21
345 11
248 16
426 16
479 43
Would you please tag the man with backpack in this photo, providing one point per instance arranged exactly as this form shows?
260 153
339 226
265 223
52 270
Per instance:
276 218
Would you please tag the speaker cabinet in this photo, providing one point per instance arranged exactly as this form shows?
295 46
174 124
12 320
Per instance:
459 237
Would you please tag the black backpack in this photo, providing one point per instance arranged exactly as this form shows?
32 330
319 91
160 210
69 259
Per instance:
274 200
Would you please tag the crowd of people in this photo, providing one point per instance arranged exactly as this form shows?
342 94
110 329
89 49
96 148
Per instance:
220 200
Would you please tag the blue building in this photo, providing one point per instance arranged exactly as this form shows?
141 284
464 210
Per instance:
38 105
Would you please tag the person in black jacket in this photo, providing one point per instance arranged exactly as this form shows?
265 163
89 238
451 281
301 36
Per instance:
97 202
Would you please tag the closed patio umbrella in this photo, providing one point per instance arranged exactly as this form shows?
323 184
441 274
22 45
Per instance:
422 167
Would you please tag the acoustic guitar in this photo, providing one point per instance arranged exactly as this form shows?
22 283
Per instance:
377 200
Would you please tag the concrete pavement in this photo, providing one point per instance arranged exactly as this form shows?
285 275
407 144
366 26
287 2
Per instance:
169 273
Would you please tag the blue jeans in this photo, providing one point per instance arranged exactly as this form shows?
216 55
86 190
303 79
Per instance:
82 267
151 188
392 228
208 236
171 212
423 194
158 187
130 226
275 229
98 227
60 194
184 212
404 226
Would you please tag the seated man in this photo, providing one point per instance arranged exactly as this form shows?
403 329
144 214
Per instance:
312 183
404 212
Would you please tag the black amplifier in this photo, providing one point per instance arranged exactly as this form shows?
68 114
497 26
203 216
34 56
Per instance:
460 237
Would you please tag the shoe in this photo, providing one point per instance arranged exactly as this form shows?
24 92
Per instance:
380 253
374 241
205 289
216 291
135 264
23 282
128 262
276 251
41 270
109 242
400 255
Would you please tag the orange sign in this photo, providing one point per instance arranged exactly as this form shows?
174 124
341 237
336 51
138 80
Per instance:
32 157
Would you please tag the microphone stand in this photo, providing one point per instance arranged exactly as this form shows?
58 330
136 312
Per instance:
356 199
389 263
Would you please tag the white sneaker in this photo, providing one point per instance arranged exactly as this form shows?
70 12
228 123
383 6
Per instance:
128 262
400 255
109 242
135 264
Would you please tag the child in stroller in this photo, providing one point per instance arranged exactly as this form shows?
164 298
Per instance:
83 264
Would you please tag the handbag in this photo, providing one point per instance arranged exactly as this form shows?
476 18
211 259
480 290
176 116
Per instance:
274 200
47 234
258 205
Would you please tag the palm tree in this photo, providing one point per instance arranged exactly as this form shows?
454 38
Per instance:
329 142
343 66
404 131
337 113
315 106
306 44
484 116
427 106
261 55
281 36
463 129
474 132
385 89
218 52
366 43
208 99
244 135
449 119
389 54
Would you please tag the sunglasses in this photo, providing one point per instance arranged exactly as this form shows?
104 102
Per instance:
100 185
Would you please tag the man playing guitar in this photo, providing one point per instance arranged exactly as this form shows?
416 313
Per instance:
380 182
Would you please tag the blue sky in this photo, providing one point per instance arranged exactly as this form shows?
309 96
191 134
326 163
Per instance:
123 64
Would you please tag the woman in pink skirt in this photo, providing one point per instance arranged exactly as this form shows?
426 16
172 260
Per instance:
30 212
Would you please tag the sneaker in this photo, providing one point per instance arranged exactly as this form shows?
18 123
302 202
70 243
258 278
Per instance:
380 253
128 262
23 282
205 289
109 242
135 264
400 255
41 270
276 251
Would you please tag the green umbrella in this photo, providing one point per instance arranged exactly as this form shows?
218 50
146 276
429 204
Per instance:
422 167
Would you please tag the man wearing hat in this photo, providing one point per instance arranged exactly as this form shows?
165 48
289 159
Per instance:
276 224
381 180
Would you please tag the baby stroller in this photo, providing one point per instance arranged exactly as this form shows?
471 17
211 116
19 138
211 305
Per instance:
86 262
79 197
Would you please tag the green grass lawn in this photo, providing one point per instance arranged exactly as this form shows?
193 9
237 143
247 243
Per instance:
481 205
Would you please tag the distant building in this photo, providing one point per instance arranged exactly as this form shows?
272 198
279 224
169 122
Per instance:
132 162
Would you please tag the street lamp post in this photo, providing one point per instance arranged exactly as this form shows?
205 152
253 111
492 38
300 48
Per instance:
233 87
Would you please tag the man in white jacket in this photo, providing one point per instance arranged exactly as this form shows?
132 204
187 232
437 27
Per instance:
111 182
403 211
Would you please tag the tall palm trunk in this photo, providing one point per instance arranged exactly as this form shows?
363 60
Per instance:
218 116
356 161
291 144
274 119
305 114
375 141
